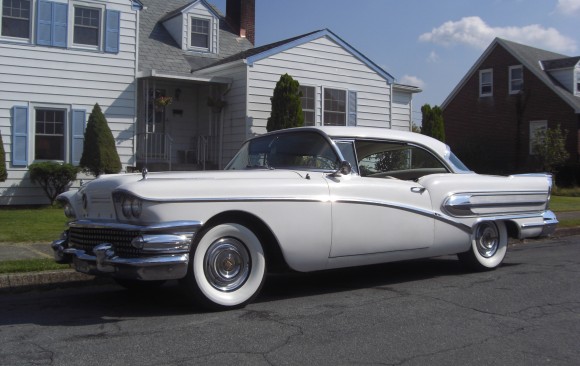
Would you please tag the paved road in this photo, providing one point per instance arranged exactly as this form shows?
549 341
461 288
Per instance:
431 312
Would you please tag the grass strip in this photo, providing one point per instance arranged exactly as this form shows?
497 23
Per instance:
30 265
31 224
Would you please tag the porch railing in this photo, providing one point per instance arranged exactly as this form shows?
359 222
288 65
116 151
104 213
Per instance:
154 147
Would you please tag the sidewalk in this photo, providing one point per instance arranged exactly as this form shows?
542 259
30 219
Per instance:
69 277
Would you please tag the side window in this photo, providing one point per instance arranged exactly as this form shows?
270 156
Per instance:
486 83
308 100
347 150
50 134
392 160
16 18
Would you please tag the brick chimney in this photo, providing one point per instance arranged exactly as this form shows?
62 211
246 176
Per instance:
241 16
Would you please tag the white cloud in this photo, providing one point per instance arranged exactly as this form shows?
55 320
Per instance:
411 80
568 7
433 57
474 32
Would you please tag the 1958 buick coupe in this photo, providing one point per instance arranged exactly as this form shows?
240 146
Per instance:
303 199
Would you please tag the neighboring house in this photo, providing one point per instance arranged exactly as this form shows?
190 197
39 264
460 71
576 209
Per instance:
181 90
57 59
510 92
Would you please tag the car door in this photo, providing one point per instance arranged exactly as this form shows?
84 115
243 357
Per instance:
382 209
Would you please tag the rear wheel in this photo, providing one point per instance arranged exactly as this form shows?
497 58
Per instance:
488 246
227 268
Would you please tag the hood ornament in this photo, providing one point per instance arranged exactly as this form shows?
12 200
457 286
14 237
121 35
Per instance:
144 173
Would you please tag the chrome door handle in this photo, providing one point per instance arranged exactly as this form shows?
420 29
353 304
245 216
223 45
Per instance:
417 189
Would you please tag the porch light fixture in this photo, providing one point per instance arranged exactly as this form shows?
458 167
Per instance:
177 93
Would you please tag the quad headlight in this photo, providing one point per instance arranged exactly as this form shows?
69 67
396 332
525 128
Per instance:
129 206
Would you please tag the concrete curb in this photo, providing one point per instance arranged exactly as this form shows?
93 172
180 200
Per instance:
17 282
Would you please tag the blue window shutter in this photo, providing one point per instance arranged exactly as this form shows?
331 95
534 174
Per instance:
19 136
77 135
59 24
112 28
352 106
44 23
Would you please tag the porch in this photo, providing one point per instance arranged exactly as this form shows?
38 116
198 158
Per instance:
159 152
177 128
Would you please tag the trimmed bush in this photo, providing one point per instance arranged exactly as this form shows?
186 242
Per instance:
53 177
99 151
286 105
3 172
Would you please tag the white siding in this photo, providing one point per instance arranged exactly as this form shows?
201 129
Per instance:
401 113
37 75
324 64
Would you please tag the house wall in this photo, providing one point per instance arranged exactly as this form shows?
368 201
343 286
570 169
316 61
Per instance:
401 110
485 132
32 75
320 63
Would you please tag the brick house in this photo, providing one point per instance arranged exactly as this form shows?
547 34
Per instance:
510 92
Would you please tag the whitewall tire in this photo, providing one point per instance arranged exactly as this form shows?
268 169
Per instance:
227 267
488 246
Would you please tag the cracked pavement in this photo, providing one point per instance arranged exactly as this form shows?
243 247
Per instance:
527 312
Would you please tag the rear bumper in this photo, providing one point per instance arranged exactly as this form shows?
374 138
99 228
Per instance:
542 226
163 251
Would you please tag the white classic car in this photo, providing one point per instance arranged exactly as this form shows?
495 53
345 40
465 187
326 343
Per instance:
304 199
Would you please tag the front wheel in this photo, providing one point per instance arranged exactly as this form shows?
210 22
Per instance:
227 268
488 246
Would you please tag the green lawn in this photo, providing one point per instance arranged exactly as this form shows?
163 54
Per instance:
31 224
30 265
564 204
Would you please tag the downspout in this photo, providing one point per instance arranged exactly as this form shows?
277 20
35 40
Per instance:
136 102
391 106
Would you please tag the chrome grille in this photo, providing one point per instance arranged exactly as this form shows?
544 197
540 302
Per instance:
88 238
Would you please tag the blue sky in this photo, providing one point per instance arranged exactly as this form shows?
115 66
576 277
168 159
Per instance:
426 43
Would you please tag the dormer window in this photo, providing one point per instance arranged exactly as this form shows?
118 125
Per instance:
577 81
200 33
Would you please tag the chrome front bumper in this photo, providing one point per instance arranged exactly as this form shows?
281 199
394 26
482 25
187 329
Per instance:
163 250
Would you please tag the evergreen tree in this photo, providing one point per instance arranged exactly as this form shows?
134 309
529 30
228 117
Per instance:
432 122
549 146
286 105
3 172
99 152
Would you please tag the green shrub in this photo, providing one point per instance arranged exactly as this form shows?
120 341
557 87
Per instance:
286 105
99 152
432 122
3 172
53 177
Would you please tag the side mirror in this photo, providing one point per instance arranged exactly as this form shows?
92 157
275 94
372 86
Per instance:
344 169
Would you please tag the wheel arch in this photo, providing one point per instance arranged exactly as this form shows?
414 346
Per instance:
274 257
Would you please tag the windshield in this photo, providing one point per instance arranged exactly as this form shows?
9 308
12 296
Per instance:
298 150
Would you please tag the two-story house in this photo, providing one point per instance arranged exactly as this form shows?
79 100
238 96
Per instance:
181 85
57 59
512 90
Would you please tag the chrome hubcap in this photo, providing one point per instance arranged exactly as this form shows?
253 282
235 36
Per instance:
487 239
227 264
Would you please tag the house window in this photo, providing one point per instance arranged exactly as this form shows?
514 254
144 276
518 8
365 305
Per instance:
308 100
535 127
516 79
485 83
87 25
334 107
16 18
49 135
200 33
577 81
